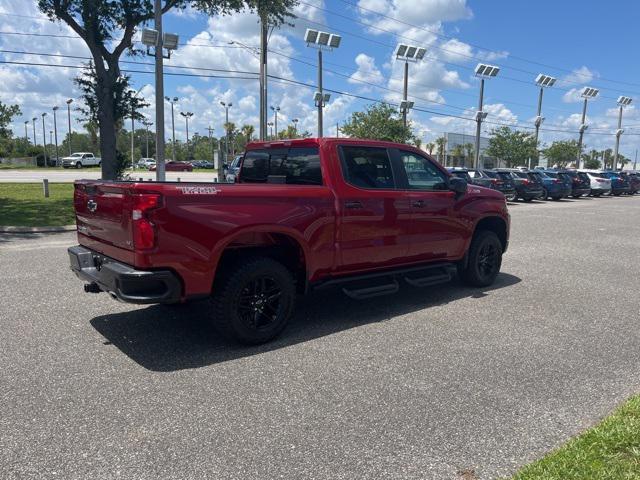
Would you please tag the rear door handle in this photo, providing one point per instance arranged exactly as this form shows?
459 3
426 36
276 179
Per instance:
353 204
418 203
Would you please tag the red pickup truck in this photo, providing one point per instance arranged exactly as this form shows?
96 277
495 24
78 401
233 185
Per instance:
305 214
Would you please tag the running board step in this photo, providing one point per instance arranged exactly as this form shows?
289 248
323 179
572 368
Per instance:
431 276
372 291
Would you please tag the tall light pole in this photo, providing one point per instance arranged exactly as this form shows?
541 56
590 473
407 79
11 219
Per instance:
44 138
187 116
69 102
26 134
587 93
275 118
406 54
295 126
210 131
321 40
173 128
542 81
55 133
270 125
226 127
159 41
622 102
147 124
483 71
34 130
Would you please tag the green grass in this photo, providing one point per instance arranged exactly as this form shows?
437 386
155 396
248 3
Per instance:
24 205
608 451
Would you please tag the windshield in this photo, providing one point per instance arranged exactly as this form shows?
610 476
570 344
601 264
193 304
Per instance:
76 155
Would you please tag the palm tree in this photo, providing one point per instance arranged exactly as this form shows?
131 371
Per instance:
430 146
458 152
247 132
441 142
469 149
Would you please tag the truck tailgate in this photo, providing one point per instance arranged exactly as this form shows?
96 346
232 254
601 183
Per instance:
103 212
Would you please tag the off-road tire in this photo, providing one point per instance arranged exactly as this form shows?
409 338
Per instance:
475 273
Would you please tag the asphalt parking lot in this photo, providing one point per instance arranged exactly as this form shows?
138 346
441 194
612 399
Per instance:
421 385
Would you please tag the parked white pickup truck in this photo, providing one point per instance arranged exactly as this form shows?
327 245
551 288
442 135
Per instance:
80 159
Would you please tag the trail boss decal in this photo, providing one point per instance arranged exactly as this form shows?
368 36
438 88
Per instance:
199 190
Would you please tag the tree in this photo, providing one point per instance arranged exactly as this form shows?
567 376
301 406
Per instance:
429 147
511 146
561 153
7 112
469 148
247 132
441 142
457 152
112 23
378 122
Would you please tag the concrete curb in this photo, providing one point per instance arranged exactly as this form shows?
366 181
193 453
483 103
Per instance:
61 228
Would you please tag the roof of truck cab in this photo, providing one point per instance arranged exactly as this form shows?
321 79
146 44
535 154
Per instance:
314 141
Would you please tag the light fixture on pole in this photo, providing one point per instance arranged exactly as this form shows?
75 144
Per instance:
226 127
173 127
622 102
69 102
542 81
321 40
160 42
270 125
406 54
587 93
295 126
275 118
55 133
44 138
26 133
405 106
483 71
187 116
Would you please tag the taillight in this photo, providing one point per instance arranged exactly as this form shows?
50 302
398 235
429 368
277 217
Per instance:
495 181
556 181
600 180
144 233
526 182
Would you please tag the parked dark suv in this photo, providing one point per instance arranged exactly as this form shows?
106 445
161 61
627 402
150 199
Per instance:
580 183
619 184
634 181
528 185
503 182
554 185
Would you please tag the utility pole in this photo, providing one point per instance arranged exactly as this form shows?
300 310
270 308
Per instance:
160 170
213 158
55 133
173 128
147 124
69 102
264 32
295 127
26 134
337 129
34 131
133 130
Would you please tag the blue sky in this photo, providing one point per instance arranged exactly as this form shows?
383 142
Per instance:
580 43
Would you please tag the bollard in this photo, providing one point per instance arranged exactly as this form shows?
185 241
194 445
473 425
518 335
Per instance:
45 187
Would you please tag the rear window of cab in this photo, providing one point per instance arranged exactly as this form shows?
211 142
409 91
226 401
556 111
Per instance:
291 166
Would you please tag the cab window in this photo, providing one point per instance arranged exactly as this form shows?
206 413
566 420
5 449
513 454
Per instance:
367 167
422 174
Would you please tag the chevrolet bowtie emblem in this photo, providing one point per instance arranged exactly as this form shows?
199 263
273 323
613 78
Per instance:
92 206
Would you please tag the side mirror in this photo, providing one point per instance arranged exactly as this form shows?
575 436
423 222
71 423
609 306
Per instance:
458 185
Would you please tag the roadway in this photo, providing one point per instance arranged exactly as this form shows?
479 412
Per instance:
425 384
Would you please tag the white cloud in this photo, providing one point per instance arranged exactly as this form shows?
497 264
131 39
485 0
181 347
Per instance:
580 76
367 72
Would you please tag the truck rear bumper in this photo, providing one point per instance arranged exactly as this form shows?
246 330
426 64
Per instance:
123 281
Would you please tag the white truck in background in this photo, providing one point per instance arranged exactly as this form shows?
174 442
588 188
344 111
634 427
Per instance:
81 159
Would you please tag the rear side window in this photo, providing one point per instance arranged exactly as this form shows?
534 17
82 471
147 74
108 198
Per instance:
521 174
367 167
296 165
491 174
505 175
